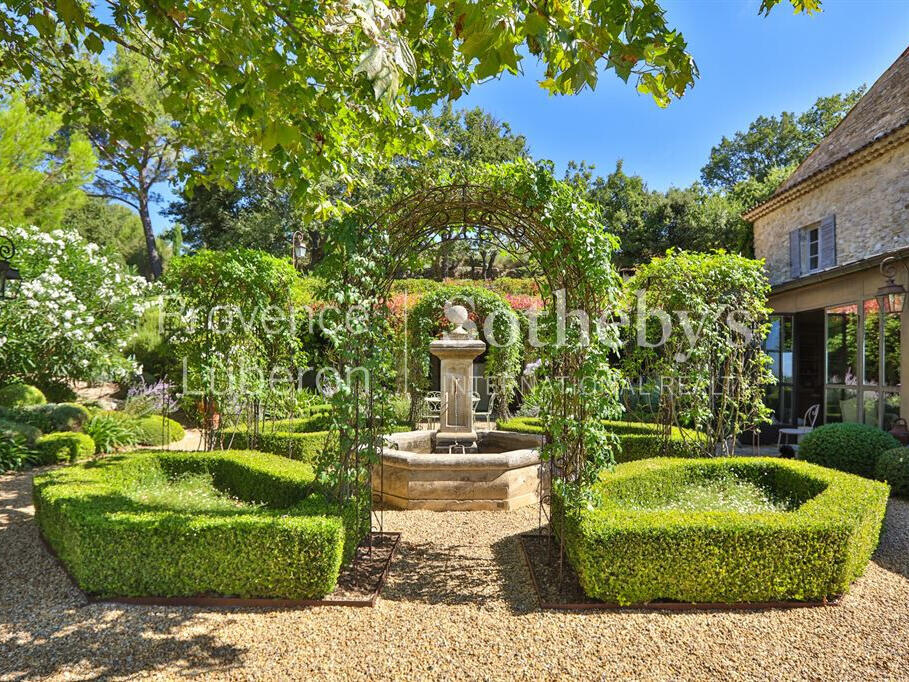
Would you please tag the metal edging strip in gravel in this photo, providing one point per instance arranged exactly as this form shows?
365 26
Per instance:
595 605
238 602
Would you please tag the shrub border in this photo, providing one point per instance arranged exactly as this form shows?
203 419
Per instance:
239 602
835 481
597 605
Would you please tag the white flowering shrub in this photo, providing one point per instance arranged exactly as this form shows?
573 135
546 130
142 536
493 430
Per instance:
74 313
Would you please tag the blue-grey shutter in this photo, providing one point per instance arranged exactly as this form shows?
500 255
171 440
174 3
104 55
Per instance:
795 254
828 242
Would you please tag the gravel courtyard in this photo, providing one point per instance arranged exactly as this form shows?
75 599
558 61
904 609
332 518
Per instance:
458 605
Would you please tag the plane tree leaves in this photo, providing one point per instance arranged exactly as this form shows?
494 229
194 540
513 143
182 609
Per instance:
305 89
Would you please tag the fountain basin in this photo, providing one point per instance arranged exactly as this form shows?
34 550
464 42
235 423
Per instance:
504 474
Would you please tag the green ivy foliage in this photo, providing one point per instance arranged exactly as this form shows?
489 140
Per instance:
847 447
570 249
627 555
426 322
287 544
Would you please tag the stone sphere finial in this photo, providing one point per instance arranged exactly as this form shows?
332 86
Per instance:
457 315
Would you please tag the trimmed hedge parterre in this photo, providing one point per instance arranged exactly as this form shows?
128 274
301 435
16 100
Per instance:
114 545
637 440
849 447
630 555
301 439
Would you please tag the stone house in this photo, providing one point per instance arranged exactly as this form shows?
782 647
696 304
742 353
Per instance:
824 235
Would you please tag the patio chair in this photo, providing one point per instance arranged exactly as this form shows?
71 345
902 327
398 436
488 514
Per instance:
487 413
432 407
799 431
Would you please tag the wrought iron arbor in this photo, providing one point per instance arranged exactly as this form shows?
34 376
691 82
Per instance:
414 224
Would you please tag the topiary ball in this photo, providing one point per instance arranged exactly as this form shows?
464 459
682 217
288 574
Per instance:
893 467
853 448
21 395
65 446
155 430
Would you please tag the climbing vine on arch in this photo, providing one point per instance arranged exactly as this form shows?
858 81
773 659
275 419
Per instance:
567 245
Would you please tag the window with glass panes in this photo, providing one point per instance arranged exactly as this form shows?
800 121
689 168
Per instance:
778 345
863 364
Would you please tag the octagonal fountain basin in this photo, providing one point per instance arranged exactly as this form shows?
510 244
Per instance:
504 473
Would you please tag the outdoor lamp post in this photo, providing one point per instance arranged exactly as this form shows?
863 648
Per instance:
892 296
7 272
299 249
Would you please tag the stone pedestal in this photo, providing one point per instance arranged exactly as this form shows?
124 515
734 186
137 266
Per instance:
456 353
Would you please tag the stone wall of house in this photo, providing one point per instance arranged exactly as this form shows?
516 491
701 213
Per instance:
871 205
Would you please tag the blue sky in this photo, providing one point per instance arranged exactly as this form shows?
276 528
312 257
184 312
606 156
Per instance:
749 65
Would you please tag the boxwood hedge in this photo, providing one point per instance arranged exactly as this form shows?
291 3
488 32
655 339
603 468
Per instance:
893 467
847 446
113 545
157 430
632 555
50 416
637 440
301 439
64 446
20 395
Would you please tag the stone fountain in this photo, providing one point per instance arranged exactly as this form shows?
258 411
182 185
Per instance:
457 467
456 352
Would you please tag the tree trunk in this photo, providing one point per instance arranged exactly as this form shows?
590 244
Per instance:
154 258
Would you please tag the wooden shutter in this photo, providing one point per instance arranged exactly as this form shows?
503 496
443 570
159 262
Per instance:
828 242
795 254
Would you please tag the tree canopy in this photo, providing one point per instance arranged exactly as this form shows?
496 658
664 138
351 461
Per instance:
323 88
774 142
41 169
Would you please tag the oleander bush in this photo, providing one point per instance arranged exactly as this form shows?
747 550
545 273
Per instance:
893 468
137 524
64 446
20 395
157 430
637 440
849 447
50 416
813 532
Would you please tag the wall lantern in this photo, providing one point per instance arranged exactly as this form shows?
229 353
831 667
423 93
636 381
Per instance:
8 273
299 250
892 296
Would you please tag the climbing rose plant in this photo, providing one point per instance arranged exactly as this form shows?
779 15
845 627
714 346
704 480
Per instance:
75 311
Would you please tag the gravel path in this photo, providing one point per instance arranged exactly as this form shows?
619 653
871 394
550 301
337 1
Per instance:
459 605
